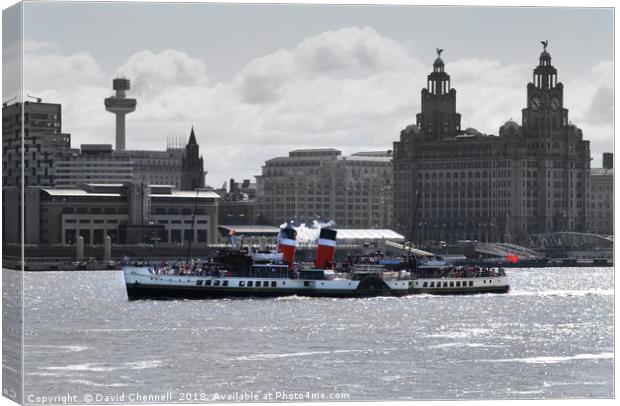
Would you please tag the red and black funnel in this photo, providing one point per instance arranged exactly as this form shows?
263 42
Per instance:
326 251
286 245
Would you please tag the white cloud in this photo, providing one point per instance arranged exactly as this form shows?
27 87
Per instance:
58 71
352 89
151 72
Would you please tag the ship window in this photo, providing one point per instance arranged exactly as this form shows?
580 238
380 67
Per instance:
225 283
451 284
199 282
458 284
273 284
425 285
445 284
257 284
432 284
484 281
250 284
216 283
241 284
208 283
265 284
471 283
306 283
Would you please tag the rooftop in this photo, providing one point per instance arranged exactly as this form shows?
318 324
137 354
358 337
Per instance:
77 192
111 185
601 171
367 158
314 152
254 230
373 153
368 234
202 194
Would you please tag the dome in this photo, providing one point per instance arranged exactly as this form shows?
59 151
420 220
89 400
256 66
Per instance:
411 129
438 62
545 55
472 131
509 125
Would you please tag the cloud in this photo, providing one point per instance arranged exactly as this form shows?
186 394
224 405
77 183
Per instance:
590 100
348 53
352 89
152 72
45 68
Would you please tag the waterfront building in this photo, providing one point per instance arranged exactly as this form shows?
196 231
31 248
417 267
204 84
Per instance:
49 159
532 178
28 157
238 204
321 184
43 142
601 198
129 213
98 163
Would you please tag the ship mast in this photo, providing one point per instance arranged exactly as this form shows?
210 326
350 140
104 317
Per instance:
415 215
189 243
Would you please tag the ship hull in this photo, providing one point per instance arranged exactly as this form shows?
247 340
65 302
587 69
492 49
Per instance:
176 292
462 291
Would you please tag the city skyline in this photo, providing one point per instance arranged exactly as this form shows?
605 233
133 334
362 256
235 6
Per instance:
342 79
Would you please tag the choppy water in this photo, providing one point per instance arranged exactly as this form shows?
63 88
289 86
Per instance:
550 337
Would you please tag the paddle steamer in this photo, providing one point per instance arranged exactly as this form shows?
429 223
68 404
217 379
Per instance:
239 272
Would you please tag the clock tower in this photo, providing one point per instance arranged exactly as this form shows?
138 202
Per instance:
438 117
545 114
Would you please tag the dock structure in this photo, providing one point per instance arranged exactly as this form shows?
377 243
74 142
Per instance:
406 249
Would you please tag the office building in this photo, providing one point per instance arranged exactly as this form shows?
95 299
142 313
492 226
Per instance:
601 198
98 163
321 184
238 204
128 213
43 143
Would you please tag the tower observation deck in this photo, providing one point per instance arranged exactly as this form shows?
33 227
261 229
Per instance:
120 105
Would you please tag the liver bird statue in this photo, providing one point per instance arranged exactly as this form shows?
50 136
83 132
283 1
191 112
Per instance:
439 51
544 44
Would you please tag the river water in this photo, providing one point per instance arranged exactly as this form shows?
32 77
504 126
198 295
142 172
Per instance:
550 337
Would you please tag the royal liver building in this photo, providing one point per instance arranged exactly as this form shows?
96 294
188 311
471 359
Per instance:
532 178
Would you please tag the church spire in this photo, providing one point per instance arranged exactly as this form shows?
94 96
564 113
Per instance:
192 137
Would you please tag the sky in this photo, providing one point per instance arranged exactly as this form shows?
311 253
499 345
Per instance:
257 81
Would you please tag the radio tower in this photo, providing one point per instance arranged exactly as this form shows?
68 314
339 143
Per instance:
120 105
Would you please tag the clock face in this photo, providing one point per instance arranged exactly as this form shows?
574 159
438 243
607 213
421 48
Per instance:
555 103
535 103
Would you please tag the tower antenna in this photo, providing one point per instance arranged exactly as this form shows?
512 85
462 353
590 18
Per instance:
120 105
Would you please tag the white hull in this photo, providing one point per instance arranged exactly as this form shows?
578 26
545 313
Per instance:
448 286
